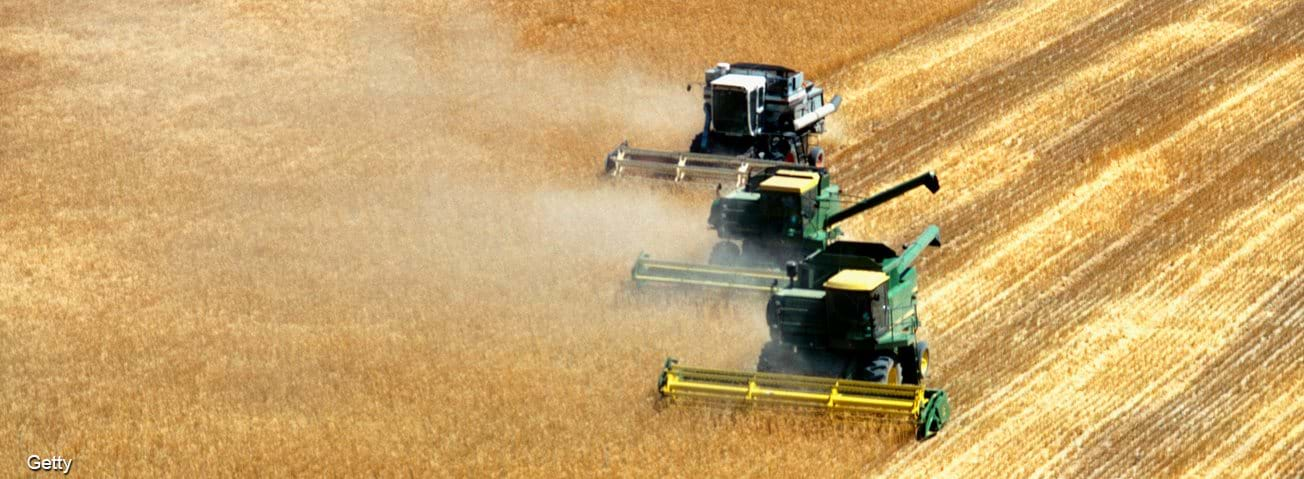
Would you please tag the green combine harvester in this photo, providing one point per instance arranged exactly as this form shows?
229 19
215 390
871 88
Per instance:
842 339
779 216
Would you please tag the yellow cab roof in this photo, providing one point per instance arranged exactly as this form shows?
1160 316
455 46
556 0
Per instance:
791 181
856 280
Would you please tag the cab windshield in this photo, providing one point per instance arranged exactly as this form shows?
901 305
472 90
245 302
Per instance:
729 111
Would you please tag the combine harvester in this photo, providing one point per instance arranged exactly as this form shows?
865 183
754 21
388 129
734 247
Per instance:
779 216
757 117
842 340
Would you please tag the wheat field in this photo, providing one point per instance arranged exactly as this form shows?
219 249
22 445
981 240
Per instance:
370 238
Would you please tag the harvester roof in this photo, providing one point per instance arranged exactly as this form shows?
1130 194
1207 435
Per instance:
791 181
742 82
856 280
782 70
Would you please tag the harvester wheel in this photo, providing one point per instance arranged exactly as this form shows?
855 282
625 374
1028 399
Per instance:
914 362
776 357
921 359
816 157
752 252
696 146
725 253
886 370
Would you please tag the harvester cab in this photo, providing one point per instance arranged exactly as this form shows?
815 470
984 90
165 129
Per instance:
850 312
762 111
779 214
842 339
755 117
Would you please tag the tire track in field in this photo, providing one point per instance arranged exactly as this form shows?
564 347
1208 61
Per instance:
1283 253
1046 411
1067 299
1017 285
1285 454
1159 108
1257 455
1081 272
1194 324
1066 321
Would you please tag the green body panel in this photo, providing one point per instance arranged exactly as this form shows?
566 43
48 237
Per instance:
851 324
769 229
774 227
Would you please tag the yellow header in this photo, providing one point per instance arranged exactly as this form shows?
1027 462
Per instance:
791 181
855 280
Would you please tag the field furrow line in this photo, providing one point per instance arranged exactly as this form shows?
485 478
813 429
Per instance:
984 408
985 160
1281 387
1106 137
917 137
971 408
920 72
1285 456
1060 298
1244 220
1150 250
1221 395
1036 230
1073 401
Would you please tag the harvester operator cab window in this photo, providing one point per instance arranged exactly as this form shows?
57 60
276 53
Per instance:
736 102
729 111
851 307
857 297
788 198
777 209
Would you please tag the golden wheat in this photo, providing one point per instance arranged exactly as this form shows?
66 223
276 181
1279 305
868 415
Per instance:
254 238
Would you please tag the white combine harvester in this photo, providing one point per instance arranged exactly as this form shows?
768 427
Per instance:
757 116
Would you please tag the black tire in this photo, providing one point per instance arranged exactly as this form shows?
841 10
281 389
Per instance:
909 367
753 253
725 253
815 157
776 357
884 369
696 145
921 361
914 362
